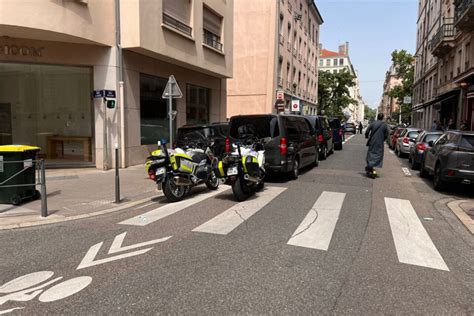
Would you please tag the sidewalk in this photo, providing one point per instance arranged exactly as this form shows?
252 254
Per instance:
81 193
464 210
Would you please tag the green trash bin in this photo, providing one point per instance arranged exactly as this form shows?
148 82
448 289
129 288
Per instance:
17 167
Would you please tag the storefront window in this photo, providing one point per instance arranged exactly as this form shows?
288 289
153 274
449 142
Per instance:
50 107
154 123
198 103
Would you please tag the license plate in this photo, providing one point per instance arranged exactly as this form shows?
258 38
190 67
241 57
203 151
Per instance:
160 171
232 171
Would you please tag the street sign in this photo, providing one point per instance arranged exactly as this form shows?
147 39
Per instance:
280 95
407 100
172 89
98 94
280 105
295 105
109 93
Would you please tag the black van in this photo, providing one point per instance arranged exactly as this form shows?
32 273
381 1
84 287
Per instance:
199 135
290 143
324 134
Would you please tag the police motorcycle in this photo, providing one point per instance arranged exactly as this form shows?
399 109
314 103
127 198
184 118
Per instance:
176 171
242 167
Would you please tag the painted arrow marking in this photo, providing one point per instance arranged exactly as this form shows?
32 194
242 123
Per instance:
89 258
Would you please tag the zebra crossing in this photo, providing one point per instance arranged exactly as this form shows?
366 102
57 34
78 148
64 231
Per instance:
412 242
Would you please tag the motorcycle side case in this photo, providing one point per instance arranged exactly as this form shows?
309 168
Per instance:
182 163
250 166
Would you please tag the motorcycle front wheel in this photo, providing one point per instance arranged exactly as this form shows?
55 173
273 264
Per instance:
241 192
213 182
173 192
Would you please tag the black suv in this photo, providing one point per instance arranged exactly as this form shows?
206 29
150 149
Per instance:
290 143
199 135
323 132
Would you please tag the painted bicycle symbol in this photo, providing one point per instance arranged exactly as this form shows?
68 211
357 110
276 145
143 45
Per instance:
29 286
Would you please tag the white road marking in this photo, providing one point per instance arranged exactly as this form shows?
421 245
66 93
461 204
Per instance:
6 311
118 240
25 281
227 221
347 139
412 242
169 209
89 258
65 289
392 152
317 228
406 172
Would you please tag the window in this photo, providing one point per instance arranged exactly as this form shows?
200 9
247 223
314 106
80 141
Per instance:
177 14
335 62
321 62
197 104
467 51
154 123
212 27
341 61
328 62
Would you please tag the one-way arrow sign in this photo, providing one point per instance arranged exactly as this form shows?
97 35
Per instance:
88 260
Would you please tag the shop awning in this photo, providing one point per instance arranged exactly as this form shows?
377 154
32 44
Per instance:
441 98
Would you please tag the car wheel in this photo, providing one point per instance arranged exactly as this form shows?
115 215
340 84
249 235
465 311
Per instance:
316 159
296 169
438 182
423 172
414 165
324 154
338 146
409 158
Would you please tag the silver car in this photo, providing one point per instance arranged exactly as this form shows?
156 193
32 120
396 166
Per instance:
406 140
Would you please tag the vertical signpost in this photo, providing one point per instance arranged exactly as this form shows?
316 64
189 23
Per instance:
406 100
172 91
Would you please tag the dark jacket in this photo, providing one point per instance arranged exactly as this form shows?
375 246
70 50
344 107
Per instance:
377 132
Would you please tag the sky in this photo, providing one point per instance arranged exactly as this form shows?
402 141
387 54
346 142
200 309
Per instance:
373 28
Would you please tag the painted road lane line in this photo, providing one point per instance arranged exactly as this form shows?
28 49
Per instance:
412 242
169 209
406 172
347 139
227 221
317 228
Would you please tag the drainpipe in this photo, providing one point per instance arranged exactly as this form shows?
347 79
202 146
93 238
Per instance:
119 71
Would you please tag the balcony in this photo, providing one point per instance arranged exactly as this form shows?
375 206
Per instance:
464 14
212 40
176 24
443 40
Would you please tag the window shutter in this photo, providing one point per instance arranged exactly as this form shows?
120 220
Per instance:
179 9
211 21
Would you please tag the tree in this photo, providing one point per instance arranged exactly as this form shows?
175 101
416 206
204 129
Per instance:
404 65
369 113
333 92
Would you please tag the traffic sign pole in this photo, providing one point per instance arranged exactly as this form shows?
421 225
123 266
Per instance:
170 113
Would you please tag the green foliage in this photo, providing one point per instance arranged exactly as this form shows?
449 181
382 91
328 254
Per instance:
333 92
369 113
405 70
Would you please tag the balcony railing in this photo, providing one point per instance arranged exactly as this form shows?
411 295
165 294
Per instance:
464 14
212 40
177 24
443 38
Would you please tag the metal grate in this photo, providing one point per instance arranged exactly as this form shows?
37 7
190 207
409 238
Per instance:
212 40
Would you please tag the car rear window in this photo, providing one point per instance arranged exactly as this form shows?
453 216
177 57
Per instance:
467 141
413 134
260 127
194 133
431 137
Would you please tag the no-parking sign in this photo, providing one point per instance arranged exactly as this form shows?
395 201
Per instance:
295 105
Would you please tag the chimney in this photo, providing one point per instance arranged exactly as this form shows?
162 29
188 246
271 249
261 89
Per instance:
344 49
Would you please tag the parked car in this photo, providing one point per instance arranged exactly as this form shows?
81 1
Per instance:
394 137
405 141
324 134
450 159
337 132
289 140
421 145
350 128
200 135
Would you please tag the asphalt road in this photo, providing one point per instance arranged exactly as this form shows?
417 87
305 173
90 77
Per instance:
392 247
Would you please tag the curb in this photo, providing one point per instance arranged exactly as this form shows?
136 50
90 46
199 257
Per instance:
462 216
58 219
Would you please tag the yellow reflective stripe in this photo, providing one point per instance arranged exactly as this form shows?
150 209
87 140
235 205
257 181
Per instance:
244 160
220 167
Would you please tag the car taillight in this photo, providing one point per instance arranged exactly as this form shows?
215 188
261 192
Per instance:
421 146
151 174
405 140
450 173
283 146
320 138
227 145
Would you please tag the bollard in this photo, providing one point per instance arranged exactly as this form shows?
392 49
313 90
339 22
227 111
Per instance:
117 176
44 204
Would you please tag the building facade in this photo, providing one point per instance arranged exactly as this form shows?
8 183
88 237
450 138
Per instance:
444 72
275 57
389 106
340 61
56 58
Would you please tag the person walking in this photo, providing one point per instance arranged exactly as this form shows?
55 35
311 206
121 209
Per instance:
360 127
434 126
376 134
